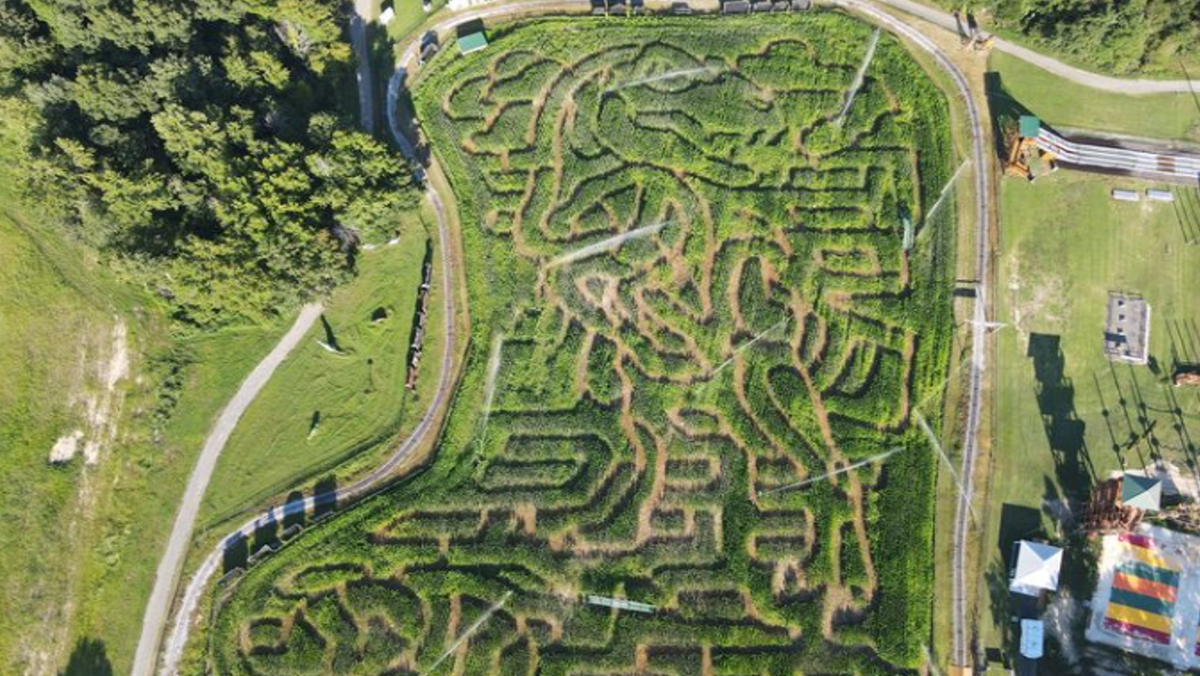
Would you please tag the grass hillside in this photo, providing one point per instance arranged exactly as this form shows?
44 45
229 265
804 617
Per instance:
79 540
322 408
1060 102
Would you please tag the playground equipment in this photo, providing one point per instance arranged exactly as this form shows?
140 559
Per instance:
1025 159
1092 156
969 34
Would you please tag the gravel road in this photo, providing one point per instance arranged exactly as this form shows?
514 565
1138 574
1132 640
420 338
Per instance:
185 520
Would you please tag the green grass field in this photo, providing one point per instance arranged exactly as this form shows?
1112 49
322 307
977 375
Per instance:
358 397
79 544
629 409
409 16
1062 406
1063 103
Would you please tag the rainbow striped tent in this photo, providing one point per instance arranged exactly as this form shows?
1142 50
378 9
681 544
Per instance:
1144 588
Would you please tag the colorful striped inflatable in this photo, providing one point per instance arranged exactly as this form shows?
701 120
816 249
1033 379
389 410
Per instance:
1144 588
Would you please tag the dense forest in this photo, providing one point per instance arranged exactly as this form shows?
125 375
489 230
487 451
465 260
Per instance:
209 146
1123 37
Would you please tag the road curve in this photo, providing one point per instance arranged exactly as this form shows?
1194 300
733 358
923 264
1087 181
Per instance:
185 520
1048 63
173 649
983 191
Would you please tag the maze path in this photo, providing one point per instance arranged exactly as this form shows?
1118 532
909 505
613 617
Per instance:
651 395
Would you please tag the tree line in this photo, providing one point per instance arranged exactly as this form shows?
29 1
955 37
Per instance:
1115 36
208 145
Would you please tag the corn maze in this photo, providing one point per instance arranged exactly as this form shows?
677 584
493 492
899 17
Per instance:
688 296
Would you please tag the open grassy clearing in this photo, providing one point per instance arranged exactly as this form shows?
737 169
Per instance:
356 399
79 542
688 290
409 15
1066 104
1066 415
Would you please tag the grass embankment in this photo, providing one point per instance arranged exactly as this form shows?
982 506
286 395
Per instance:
79 543
1068 416
1063 103
355 399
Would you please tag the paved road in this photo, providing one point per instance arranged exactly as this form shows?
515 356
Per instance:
358 38
1078 75
983 193
185 520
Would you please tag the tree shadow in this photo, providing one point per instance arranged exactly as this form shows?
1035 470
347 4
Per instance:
293 510
325 499
89 658
1006 111
1064 430
235 553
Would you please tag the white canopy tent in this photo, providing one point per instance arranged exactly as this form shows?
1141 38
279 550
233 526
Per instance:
1036 569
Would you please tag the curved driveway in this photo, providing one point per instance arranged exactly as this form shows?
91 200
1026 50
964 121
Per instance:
169 566
1077 75
173 650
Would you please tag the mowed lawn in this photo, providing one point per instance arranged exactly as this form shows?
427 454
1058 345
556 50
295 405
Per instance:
1173 116
323 408
1066 415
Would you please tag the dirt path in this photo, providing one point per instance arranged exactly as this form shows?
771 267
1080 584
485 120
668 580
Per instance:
169 566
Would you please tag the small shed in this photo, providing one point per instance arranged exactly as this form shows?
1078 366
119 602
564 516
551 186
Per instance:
472 42
1141 492
1126 195
1036 568
1032 639
386 16
1127 329
1030 126
1160 195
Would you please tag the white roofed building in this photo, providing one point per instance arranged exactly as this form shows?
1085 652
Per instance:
1036 568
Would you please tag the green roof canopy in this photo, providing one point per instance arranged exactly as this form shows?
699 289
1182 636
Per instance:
472 42
1030 126
1141 492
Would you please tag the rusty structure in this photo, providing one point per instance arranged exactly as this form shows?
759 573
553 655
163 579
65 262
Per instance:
1105 512
416 343
1186 375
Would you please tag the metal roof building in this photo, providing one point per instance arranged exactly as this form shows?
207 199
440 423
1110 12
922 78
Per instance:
472 42
1141 492
1127 329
